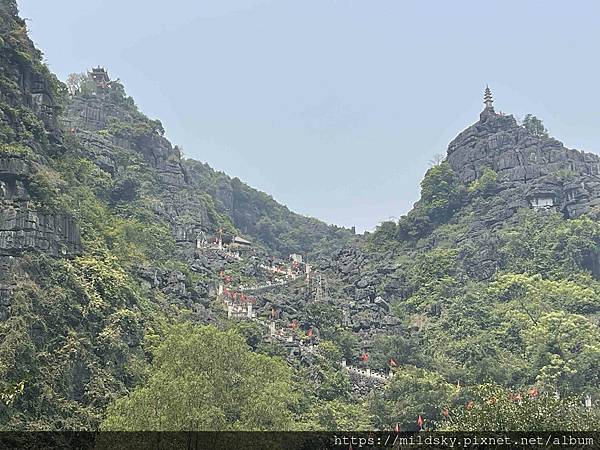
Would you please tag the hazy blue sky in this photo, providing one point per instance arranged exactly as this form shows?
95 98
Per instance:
334 107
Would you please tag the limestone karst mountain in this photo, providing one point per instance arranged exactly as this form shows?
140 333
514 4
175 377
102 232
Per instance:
109 238
98 210
496 176
533 171
193 198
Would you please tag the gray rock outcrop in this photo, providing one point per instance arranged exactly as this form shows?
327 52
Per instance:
533 171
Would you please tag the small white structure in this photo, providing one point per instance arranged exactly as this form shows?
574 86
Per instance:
200 240
295 257
239 311
541 201
366 373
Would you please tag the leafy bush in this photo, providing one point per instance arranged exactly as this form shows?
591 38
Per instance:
486 183
441 192
535 126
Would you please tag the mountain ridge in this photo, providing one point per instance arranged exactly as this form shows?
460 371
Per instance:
102 111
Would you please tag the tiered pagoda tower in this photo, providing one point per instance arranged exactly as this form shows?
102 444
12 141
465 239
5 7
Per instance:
487 99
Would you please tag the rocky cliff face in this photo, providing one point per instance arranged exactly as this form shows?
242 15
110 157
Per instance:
533 171
29 132
24 224
89 114
85 325
189 195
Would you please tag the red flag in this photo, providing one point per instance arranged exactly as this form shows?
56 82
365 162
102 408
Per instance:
533 392
397 428
420 421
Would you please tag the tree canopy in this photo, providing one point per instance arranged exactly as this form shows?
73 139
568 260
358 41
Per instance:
204 379
535 126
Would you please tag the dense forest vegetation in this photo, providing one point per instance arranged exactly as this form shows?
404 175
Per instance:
113 323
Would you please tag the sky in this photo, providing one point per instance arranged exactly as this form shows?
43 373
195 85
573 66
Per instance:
333 107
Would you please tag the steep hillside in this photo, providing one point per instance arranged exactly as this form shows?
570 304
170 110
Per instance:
189 195
70 325
29 133
100 221
492 277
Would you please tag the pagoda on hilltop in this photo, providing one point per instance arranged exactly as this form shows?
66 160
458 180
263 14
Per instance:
101 79
488 102
487 99
99 75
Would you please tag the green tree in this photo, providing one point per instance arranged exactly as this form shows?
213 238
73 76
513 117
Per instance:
338 415
441 192
565 350
494 408
412 392
324 316
433 279
486 183
347 342
535 126
549 245
205 379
